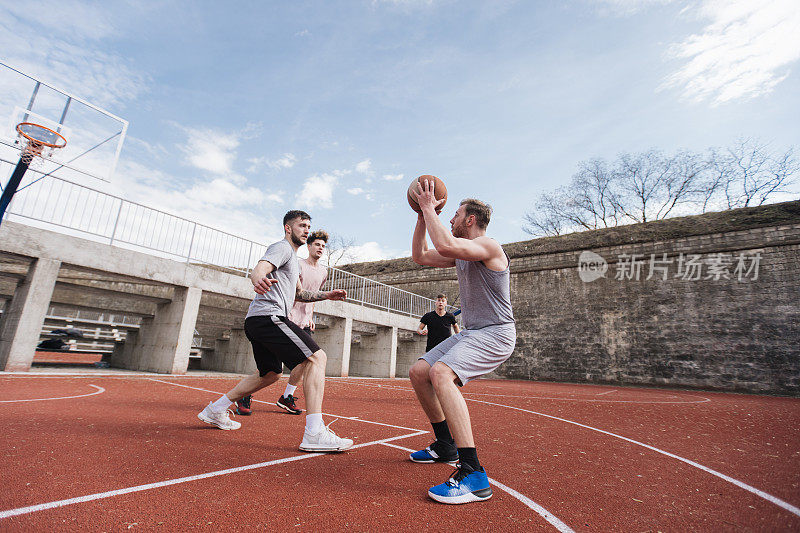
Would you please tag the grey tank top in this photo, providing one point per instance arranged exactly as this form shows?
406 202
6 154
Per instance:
485 294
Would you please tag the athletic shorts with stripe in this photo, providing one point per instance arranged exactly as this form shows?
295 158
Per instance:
278 341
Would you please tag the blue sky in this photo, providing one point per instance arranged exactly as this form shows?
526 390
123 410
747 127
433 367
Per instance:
239 112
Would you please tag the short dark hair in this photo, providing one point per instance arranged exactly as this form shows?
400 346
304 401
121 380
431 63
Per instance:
481 210
319 235
295 213
441 295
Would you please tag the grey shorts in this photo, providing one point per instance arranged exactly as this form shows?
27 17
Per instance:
474 353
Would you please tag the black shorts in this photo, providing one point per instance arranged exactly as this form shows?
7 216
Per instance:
278 341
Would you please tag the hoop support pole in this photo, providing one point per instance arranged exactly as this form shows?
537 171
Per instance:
11 186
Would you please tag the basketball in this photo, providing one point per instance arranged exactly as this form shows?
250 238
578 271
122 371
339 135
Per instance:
439 191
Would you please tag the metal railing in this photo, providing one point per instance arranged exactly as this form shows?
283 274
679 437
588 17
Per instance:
68 205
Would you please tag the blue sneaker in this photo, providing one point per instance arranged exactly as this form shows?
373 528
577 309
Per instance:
464 486
431 455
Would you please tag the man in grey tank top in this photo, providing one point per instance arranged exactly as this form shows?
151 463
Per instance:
488 339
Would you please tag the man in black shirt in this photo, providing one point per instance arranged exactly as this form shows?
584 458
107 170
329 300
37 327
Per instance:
436 324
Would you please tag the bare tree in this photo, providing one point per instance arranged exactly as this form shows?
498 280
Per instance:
588 203
339 250
651 185
748 173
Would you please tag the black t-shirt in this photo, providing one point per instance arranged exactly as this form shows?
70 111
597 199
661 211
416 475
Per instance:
438 327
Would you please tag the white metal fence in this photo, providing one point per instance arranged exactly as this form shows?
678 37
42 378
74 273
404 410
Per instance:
108 218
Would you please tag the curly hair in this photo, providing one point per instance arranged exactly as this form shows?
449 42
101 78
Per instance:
319 235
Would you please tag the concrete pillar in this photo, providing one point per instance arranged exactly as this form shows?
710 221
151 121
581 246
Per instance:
410 348
240 353
335 341
163 342
393 353
23 317
377 354
231 355
127 354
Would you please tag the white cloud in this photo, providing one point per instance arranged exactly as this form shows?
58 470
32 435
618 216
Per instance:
287 161
317 191
219 203
372 251
355 190
211 150
61 44
364 166
302 33
393 177
744 51
75 18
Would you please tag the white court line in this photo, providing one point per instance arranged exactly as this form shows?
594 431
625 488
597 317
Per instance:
770 498
99 390
354 418
541 511
606 392
139 488
465 394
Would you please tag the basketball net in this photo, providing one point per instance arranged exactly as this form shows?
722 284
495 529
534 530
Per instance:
32 151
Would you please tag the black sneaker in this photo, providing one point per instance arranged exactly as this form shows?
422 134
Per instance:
243 406
287 402
437 452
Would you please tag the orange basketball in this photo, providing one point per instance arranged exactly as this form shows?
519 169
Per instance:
439 191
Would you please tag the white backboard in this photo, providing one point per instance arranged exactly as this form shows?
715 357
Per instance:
94 136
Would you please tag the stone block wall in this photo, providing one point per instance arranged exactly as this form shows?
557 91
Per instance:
735 328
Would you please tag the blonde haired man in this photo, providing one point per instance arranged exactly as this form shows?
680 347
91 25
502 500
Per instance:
488 339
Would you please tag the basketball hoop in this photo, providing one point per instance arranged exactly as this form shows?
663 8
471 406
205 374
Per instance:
35 139
38 141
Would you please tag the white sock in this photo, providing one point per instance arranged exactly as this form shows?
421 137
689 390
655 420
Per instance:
289 390
314 423
221 405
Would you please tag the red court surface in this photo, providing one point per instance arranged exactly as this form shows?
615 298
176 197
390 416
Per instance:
67 357
99 452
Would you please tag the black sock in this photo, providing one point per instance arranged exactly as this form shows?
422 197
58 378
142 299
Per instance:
442 432
469 456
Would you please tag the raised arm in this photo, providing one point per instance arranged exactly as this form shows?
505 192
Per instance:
420 252
447 246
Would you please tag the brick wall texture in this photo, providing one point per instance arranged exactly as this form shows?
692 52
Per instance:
720 310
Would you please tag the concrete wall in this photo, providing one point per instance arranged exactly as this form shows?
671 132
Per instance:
718 332
40 268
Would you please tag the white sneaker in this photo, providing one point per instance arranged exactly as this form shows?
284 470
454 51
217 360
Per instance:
221 420
324 441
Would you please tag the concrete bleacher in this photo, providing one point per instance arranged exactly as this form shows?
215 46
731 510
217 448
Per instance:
183 311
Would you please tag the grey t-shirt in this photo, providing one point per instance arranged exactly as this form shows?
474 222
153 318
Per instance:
280 299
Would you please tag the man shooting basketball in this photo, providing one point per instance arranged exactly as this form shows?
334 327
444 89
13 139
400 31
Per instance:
486 342
277 341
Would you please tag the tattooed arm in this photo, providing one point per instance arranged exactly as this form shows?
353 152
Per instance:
303 295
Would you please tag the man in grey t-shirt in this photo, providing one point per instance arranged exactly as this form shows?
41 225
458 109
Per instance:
277 341
487 340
